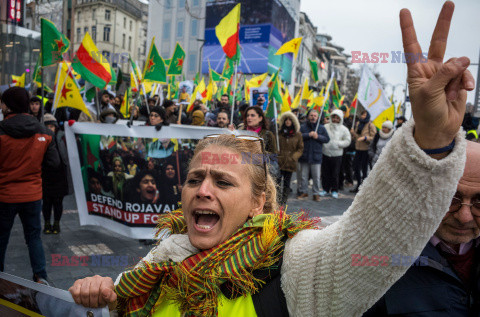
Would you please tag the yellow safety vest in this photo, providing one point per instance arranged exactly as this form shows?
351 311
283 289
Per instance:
241 306
474 133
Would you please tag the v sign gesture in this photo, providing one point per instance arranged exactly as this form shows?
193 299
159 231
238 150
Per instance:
438 90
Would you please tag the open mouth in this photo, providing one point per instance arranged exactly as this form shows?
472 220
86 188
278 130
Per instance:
205 220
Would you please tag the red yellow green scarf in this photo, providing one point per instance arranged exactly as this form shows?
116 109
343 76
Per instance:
194 284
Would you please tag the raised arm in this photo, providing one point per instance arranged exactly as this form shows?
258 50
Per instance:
343 269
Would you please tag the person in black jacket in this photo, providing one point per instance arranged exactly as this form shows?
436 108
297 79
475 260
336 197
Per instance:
54 182
445 279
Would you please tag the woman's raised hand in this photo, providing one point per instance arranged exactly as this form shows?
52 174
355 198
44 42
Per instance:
93 292
438 90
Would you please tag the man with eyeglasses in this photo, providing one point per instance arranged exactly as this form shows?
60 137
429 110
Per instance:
445 279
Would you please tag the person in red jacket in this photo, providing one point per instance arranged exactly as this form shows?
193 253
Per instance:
25 145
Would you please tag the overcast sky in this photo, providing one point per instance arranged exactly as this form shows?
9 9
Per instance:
373 26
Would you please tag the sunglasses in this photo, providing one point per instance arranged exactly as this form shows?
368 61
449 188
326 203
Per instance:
250 138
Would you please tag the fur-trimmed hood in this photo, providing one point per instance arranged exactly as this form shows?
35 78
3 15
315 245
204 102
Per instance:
292 117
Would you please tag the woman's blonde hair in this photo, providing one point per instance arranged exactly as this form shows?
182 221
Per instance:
256 171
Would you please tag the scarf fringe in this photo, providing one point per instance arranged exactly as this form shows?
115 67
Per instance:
194 284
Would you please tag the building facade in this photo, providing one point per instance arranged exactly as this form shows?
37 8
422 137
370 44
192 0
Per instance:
181 21
118 28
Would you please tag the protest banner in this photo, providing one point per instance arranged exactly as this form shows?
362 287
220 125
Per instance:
20 297
124 178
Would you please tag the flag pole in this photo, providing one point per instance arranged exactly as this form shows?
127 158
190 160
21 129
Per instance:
145 97
324 100
234 93
276 125
42 106
54 108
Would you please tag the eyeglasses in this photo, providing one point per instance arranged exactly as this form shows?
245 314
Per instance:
154 115
248 138
457 204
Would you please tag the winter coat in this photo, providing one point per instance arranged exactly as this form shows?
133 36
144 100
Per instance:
381 139
25 147
291 148
270 141
430 288
339 137
312 150
369 131
55 180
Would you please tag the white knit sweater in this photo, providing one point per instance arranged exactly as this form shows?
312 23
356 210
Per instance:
397 210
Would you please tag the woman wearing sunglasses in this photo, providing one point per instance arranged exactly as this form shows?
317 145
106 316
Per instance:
229 252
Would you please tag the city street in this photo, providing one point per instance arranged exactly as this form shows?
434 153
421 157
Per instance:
109 253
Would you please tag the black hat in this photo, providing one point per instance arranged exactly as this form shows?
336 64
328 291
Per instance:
343 108
16 99
36 99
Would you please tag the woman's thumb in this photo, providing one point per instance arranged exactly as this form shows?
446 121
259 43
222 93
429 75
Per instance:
109 295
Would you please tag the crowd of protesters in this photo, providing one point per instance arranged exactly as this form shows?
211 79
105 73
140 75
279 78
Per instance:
335 153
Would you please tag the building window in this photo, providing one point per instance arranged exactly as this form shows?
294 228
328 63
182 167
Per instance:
93 13
194 26
106 34
129 43
85 29
144 47
124 23
94 33
79 35
181 4
196 3
192 62
166 30
168 4
130 25
79 15
180 29
123 40
107 15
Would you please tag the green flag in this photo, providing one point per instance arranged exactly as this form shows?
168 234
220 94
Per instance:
274 91
154 66
196 80
314 69
176 64
89 92
53 43
37 74
228 68
119 79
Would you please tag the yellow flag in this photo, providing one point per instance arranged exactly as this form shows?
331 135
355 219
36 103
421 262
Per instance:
133 82
306 92
290 47
286 102
388 114
148 86
296 101
211 89
67 93
19 81
257 81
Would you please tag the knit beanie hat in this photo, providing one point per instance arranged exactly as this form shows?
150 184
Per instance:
16 99
387 124
49 119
